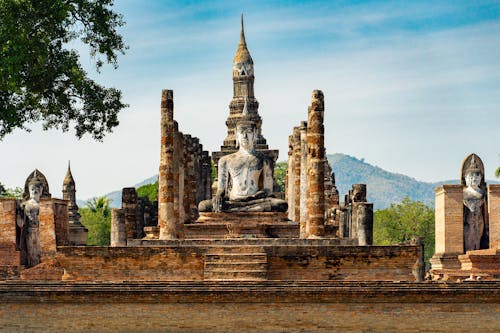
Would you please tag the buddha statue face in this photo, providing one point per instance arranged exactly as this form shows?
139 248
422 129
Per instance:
35 191
473 179
245 135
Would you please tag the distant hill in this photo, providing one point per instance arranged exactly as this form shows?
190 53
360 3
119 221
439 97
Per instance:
383 187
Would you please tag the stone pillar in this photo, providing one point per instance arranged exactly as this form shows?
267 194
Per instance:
364 217
449 227
129 206
494 215
343 229
118 235
315 168
296 176
303 179
10 258
187 192
180 181
290 179
47 236
178 148
62 225
357 194
206 175
166 219
140 216
194 179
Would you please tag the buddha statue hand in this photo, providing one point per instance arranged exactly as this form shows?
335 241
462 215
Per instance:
218 202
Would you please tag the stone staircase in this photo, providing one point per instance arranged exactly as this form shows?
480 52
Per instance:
236 263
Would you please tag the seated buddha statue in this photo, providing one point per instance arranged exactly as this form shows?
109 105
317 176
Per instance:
245 178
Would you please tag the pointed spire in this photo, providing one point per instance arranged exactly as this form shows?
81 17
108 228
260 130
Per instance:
69 177
242 32
242 54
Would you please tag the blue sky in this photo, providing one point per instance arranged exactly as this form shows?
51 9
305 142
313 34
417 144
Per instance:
411 86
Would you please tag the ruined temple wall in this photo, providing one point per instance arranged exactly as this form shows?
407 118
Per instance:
352 263
10 257
287 263
494 215
61 221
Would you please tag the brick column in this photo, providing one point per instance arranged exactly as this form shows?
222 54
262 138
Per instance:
47 229
10 258
180 188
129 206
296 173
303 179
166 219
290 179
364 216
315 168
178 147
118 235
449 227
494 215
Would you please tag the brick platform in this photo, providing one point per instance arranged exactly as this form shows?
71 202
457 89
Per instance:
250 307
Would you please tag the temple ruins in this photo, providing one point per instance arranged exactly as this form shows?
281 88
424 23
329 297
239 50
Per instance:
467 226
240 225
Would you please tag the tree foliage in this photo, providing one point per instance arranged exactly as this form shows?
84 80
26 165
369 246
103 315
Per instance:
404 221
149 190
16 193
96 217
280 174
41 78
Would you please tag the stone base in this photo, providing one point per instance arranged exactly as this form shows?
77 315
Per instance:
440 261
78 234
242 225
474 265
482 262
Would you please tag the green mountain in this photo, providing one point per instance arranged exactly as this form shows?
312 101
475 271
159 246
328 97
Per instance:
383 187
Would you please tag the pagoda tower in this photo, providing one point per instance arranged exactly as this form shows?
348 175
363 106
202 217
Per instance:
243 97
77 232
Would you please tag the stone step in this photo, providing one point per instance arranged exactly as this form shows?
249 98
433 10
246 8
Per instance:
235 275
236 249
236 257
233 266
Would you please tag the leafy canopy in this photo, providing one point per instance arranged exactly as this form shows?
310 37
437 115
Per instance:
149 190
41 78
96 217
404 221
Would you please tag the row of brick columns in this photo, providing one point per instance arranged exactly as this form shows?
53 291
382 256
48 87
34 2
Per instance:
306 172
184 176
184 180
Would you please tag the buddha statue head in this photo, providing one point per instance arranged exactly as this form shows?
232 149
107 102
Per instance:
35 187
473 172
246 130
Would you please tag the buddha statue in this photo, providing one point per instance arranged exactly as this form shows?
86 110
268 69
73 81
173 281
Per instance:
245 178
29 222
473 199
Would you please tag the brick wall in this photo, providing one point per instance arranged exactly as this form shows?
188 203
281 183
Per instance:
250 307
285 262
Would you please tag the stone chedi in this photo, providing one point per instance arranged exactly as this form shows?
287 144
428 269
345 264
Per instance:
243 97
245 178
467 226
77 232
